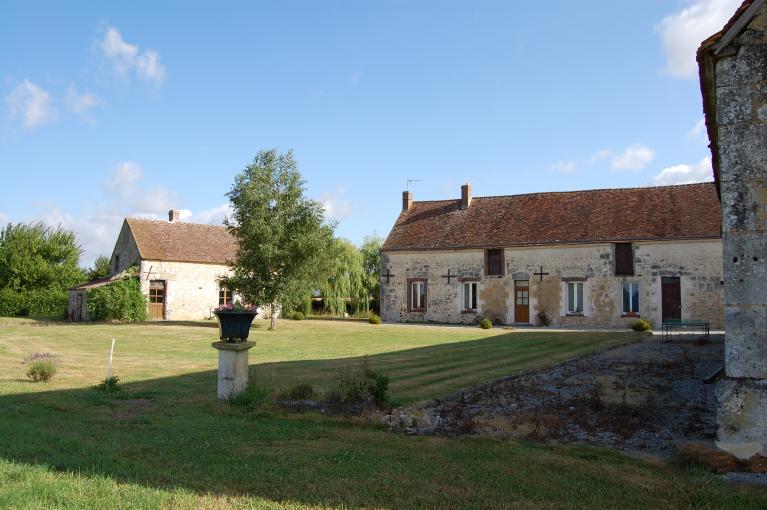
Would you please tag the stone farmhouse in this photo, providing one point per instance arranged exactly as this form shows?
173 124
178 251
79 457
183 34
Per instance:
180 265
598 258
733 78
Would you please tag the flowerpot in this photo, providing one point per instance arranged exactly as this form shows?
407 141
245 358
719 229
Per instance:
234 326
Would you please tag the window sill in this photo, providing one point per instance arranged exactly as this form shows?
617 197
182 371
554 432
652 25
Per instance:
630 315
468 312
579 314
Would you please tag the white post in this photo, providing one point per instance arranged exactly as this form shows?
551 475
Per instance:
111 352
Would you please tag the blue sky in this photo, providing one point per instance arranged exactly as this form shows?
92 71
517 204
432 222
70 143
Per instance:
108 110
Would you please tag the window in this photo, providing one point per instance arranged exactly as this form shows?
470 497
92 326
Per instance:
157 291
494 262
624 259
575 297
417 295
117 263
630 298
470 296
224 296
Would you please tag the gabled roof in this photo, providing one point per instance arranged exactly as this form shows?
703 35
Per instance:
689 211
182 242
707 71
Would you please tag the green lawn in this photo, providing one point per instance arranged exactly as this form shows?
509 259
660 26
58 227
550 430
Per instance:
165 442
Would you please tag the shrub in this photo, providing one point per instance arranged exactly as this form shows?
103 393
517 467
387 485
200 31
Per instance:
252 397
121 300
641 325
302 392
485 324
297 316
374 319
362 385
378 386
109 385
543 318
41 371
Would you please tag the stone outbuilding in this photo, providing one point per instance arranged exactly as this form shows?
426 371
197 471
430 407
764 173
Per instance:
599 258
733 77
180 267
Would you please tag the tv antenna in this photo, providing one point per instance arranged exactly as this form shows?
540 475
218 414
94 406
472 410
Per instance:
407 183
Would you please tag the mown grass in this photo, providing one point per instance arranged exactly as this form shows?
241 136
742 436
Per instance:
165 442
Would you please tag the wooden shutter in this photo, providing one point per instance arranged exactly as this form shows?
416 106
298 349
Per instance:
494 262
624 259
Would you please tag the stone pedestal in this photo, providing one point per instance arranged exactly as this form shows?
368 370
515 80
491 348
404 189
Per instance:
232 367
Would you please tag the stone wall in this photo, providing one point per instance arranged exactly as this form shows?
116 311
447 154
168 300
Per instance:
698 264
191 290
125 252
741 104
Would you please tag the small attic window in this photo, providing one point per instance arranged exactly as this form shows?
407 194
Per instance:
117 263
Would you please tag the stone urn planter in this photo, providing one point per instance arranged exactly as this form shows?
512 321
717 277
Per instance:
234 326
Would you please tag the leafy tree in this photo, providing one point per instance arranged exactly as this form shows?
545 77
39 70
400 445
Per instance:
281 234
343 279
34 256
100 268
37 265
371 263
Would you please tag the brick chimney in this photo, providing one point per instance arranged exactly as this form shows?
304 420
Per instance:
174 215
407 200
465 196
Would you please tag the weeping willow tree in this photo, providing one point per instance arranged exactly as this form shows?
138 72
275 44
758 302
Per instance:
343 279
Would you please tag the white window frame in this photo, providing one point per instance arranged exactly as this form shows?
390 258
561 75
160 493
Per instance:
470 295
579 308
631 299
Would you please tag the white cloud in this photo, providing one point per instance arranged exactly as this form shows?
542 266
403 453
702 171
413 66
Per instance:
214 216
149 202
683 31
80 103
336 205
30 102
127 57
565 166
685 174
698 129
634 157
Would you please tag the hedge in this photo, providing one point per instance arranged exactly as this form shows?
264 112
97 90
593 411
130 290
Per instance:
46 303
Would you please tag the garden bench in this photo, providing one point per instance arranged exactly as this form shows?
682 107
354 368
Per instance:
669 324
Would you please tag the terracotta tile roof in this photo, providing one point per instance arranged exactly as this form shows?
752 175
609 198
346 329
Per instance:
182 242
707 74
689 211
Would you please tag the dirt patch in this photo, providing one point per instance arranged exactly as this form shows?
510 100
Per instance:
130 409
639 398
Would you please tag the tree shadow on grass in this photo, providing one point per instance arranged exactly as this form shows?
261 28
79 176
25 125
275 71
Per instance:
172 433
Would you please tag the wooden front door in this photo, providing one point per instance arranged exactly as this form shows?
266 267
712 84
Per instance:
522 301
671 298
157 299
